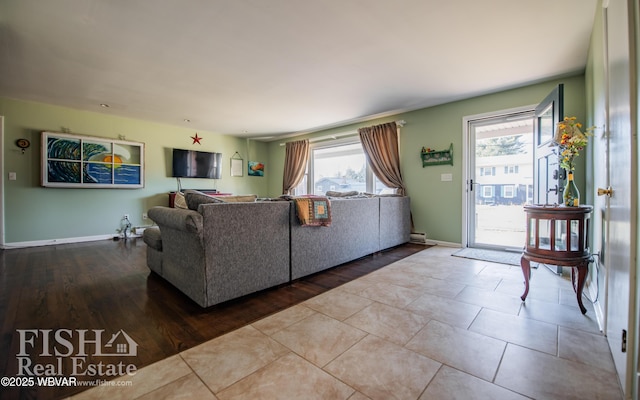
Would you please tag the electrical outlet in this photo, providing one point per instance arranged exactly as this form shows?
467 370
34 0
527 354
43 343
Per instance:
144 215
126 216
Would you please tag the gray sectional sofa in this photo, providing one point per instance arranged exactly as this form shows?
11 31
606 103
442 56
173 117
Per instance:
217 251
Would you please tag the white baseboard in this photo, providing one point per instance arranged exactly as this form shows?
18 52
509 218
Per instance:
597 306
421 238
432 242
53 242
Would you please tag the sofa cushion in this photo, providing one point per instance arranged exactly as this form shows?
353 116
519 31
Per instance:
259 199
194 198
381 195
247 198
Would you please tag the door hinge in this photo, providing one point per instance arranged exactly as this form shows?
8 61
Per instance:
624 340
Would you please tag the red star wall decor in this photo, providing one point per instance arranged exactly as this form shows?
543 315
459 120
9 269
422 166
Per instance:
196 139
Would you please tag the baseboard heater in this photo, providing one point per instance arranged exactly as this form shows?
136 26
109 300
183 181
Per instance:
418 237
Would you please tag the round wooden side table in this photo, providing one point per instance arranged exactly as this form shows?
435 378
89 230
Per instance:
558 235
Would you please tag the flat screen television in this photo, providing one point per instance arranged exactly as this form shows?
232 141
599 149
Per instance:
196 164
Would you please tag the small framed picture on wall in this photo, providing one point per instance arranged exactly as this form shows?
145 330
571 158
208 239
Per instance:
256 168
237 164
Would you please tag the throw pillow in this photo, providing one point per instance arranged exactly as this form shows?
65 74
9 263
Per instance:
194 198
179 201
332 193
387 191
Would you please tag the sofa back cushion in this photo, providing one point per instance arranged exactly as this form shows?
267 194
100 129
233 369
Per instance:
245 198
194 198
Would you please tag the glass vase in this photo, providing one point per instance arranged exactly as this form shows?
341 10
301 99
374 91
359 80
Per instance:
571 195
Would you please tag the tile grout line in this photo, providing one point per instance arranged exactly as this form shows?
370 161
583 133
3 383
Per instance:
196 374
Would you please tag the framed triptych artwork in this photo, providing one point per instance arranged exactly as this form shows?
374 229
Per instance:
73 161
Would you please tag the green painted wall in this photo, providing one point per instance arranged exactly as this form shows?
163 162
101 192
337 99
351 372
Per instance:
436 205
35 213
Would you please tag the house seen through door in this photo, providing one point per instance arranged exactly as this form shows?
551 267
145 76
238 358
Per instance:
499 179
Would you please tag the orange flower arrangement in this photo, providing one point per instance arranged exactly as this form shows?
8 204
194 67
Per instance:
571 141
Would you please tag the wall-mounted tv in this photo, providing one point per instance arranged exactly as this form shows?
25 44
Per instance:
196 164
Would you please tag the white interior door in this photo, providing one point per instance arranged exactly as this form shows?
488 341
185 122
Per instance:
620 249
600 180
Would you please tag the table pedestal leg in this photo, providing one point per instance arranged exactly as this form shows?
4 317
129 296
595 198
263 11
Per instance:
526 271
578 278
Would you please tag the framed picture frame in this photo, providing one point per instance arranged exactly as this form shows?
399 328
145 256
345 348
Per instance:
237 165
74 161
255 168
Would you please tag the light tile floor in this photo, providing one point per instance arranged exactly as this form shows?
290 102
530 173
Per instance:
430 326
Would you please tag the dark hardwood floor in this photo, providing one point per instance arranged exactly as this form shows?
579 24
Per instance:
106 286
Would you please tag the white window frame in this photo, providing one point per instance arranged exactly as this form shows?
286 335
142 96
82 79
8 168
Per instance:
369 176
509 191
489 195
511 169
487 171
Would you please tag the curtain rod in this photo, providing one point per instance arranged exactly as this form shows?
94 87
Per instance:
400 123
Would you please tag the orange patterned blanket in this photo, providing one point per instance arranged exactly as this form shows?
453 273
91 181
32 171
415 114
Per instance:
313 210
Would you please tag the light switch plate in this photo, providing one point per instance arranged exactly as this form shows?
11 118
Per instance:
12 176
446 177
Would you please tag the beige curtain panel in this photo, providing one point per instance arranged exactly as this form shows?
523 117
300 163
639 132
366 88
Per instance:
380 144
295 163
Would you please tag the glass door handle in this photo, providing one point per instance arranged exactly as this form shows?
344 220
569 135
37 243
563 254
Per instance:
553 189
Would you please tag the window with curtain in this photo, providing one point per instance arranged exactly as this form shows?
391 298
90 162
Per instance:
339 166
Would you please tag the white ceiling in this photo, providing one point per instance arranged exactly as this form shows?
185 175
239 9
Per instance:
256 68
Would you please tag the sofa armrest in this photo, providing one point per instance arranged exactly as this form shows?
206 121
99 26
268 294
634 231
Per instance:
152 238
177 218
